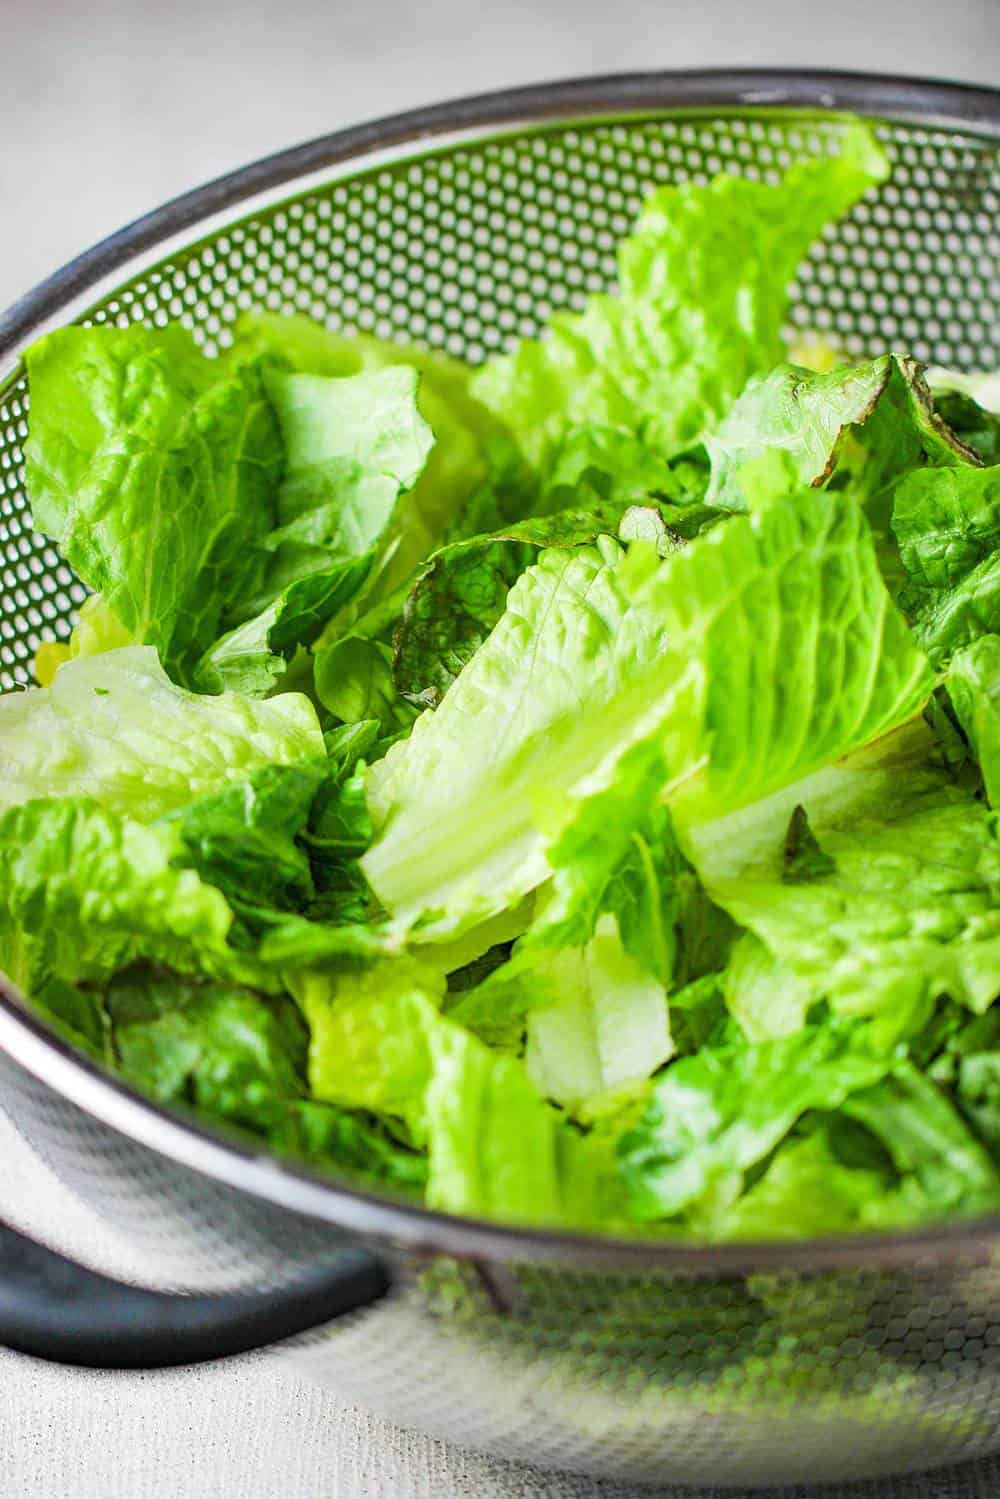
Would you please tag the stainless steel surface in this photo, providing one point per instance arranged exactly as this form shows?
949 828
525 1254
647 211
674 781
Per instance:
469 225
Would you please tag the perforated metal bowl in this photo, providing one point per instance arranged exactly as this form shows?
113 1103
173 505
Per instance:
465 226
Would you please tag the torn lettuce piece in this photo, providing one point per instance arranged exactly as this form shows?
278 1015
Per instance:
613 855
96 630
115 728
946 619
460 594
946 523
970 404
253 657
355 681
153 469
350 1144
765 650
895 774
232 1053
910 912
908 1160
946 1170
273 493
76 1013
596 465
244 839
84 892
495 1147
947 526
790 428
785 430
368 1045
703 291
516 709
790 653
240 1057
810 1190
712 1116
613 850
609 1028
973 683
497 1150
969 1064
352 447
766 997
459 462
698 1014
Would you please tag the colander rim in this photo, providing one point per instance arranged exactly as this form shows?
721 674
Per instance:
232 1158
939 103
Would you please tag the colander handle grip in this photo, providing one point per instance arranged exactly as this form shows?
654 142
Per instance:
56 1309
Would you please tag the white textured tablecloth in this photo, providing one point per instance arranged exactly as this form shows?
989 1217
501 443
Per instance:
109 108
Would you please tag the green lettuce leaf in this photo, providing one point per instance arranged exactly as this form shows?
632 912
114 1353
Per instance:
809 1189
368 1046
153 468
713 1116
946 1170
452 805
911 911
698 1013
968 1064
252 658
790 653
76 1013
749 682
786 430
228 1051
790 427
974 688
970 404
239 1056
349 1143
945 620
458 464
96 630
947 525
498 1151
495 1148
617 855
352 447
608 1029
461 593
896 774
113 727
595 465
243 839
355 681
766 997
84 892
703 292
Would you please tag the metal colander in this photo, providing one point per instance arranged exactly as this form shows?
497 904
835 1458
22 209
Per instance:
465 227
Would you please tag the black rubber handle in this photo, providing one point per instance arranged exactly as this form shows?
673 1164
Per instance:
56 1309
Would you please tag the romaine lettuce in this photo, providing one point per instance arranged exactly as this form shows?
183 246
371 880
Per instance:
674 911
974 687
704 285
113 727
153 468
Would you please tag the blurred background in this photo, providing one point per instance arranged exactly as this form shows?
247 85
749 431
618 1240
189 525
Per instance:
112 106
